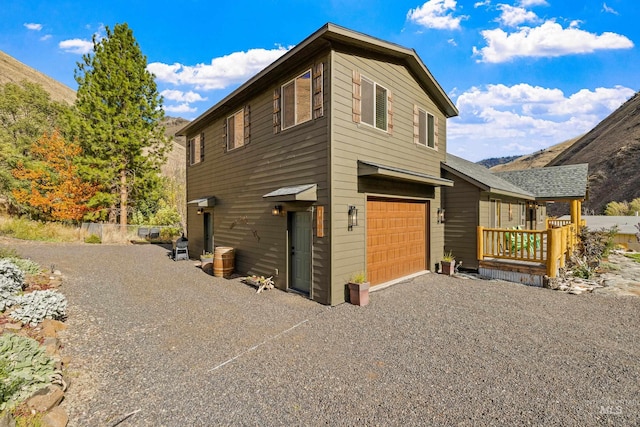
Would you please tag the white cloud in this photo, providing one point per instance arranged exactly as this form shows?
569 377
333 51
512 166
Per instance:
45 37
178 95
76 46
608 9
499 120
222 72
529 3
436 14
482 3
181 108
547 40
513 16
33 26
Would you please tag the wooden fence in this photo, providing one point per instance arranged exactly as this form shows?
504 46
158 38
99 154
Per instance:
551 247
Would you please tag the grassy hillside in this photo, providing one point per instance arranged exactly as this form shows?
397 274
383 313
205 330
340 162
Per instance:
538 159
14 71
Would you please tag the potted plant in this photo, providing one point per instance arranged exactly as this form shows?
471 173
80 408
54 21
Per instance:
358 289
448 263
206 258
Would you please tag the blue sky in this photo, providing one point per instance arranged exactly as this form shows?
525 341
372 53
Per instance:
525 74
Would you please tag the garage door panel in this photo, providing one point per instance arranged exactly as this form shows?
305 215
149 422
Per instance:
396 239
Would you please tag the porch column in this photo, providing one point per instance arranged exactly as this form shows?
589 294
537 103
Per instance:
575 212
578 214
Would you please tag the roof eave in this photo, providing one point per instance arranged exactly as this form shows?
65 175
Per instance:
334 32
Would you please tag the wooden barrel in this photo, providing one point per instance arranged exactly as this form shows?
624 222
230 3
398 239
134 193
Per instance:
223 261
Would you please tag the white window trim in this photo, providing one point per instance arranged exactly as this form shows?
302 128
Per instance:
386 101
241 113
295 104
426 128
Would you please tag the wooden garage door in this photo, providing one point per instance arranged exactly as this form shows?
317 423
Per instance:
396 239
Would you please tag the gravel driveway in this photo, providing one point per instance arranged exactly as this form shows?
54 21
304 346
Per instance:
181 348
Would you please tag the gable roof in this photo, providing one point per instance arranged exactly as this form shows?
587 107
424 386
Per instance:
483 178
551 183
329 35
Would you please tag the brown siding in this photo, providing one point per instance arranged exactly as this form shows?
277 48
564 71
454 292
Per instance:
239 178
461 204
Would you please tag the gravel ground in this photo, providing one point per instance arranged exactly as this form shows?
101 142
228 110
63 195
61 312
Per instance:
182 348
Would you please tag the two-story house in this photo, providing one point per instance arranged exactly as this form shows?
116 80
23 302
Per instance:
323 165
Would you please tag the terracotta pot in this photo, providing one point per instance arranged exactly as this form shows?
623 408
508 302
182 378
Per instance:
448 267
359 293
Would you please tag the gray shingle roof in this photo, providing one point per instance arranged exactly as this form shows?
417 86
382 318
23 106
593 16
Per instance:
483 177
556 182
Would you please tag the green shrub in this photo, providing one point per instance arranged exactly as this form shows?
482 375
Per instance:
26 265
36 306
9 384
26 366
10 271
93 238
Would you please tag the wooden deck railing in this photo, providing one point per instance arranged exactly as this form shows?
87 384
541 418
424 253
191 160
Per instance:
551 247
555 223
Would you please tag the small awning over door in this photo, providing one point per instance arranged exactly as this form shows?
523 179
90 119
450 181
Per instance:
296 193
204 202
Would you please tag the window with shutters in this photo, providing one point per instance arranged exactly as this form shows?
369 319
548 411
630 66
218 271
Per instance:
374 104
235 130
297 100
426 129
196 149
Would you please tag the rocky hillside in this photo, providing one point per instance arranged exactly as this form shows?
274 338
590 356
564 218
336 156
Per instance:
14 71
612 150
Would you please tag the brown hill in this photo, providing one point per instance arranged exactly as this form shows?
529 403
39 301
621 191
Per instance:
538 159
612 150
14 71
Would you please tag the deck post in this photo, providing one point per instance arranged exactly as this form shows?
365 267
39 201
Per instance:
552 251
480 240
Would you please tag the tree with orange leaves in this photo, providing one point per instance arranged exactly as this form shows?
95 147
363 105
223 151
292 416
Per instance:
51 185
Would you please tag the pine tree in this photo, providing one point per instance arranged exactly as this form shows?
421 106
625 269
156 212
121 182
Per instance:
119 111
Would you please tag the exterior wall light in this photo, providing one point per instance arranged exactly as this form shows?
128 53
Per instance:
440 216
277 210
353 217
200 211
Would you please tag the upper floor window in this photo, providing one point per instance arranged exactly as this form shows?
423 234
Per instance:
235 130
374 104
425 128
196 149
297 100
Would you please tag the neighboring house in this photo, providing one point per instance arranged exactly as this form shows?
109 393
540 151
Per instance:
501 200
480 197
323 165
627 231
